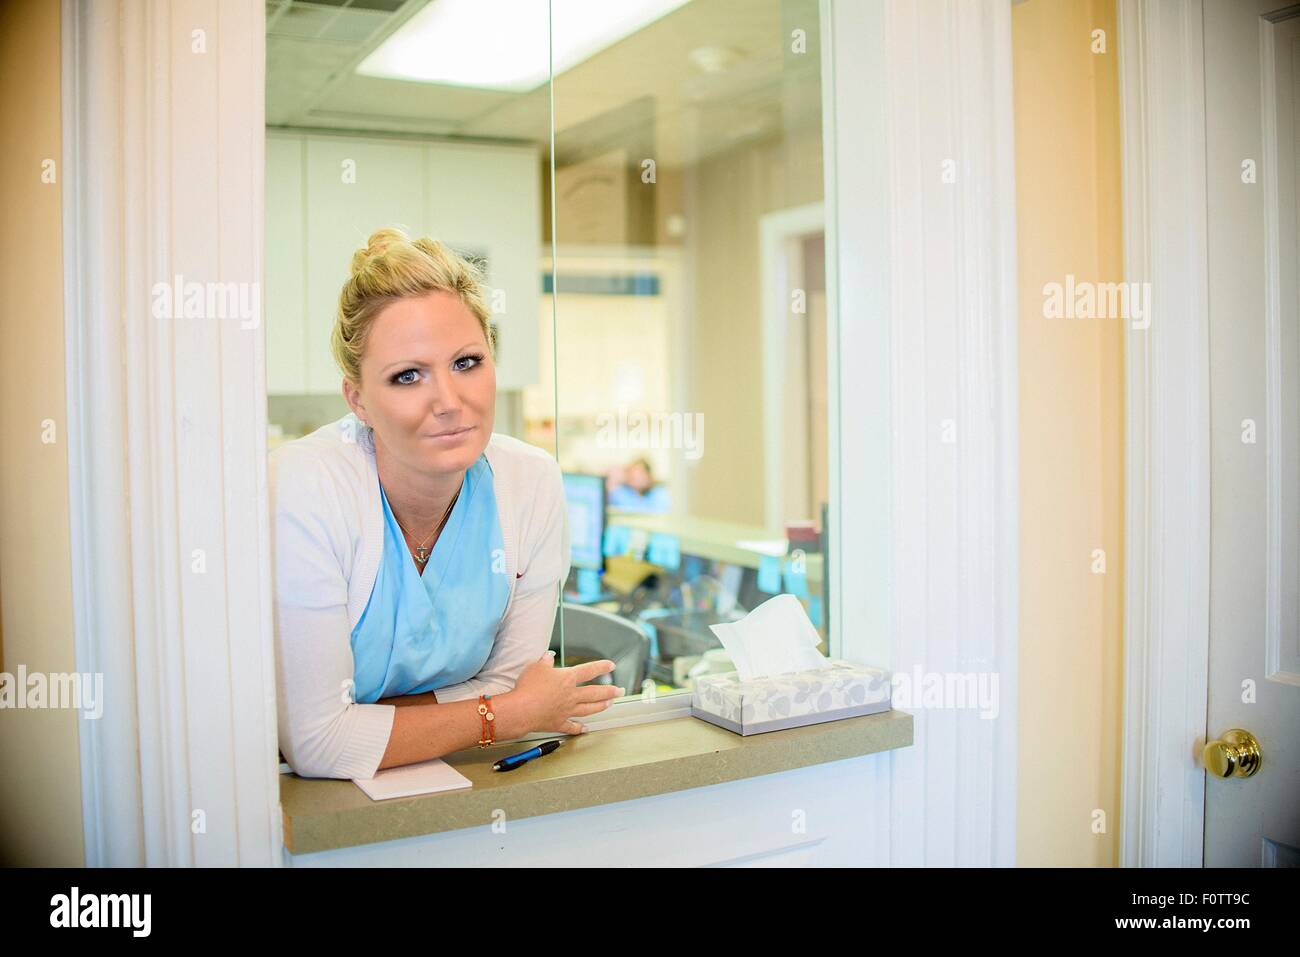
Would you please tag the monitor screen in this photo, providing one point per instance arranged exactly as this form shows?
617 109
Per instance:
585 497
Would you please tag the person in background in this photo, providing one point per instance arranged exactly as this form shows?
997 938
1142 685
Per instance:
632 488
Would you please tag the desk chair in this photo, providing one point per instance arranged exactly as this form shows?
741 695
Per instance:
591 634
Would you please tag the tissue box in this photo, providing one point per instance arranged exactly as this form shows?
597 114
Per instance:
843 690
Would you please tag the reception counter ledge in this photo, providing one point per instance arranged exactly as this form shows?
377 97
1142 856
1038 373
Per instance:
599 767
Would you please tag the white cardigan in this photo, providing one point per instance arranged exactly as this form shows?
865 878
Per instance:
328 536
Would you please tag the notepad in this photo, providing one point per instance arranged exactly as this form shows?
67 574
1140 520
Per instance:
412 779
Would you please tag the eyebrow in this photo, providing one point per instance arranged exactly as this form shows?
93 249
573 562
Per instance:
407 363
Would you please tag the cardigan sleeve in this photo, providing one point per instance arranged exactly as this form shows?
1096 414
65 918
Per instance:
323 732
525 630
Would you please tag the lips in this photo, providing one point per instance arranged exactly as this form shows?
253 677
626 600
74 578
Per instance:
453 435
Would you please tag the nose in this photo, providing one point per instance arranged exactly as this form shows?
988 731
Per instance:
444 400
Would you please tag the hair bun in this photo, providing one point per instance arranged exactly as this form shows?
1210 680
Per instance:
394 266
378 244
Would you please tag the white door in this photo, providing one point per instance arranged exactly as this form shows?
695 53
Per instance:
1252 99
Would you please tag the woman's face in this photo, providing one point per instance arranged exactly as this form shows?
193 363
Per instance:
428 384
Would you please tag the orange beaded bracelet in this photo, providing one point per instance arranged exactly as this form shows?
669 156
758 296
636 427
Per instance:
489 728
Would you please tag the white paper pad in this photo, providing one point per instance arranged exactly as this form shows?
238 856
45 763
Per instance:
412 779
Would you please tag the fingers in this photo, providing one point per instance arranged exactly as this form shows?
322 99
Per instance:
587 693
573 727
585 708
592 669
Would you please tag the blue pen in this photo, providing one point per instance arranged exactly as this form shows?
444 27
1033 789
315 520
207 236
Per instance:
523 757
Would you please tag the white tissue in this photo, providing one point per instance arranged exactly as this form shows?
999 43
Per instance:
774 639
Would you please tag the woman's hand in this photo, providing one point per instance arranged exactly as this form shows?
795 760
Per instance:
550 695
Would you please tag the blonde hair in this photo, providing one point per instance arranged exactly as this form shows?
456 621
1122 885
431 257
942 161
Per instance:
393 266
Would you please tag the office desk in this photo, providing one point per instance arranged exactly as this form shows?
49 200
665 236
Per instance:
598 768
717 541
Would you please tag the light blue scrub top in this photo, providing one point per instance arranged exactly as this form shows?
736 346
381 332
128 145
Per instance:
628 499
423 632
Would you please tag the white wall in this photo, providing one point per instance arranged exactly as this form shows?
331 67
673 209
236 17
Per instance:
1071 437
327 192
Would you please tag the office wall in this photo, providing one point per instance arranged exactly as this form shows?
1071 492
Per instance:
1067 124
730 193
40 778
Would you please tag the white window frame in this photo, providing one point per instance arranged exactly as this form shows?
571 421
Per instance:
1167 483
179 735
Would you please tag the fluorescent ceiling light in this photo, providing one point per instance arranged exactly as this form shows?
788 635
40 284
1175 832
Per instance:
501 44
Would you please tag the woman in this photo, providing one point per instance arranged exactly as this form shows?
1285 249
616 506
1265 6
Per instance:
418 556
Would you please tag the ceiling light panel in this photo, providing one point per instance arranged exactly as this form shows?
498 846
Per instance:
501 44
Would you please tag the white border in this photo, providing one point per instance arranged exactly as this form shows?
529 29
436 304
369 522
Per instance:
924 281
1279 664
167 420
1167 421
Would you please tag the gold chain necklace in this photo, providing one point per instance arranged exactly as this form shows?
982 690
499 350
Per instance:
422 553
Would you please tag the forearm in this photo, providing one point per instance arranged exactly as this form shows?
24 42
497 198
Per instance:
424 730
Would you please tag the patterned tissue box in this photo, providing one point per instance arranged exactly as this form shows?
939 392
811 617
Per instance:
843 690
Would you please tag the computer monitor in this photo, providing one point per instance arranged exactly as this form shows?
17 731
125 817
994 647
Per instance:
585 497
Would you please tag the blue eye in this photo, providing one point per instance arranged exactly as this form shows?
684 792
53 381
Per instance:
398 380
472 360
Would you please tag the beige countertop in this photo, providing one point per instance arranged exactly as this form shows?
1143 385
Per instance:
600 767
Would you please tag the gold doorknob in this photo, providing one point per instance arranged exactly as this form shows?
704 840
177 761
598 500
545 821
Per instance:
1235 754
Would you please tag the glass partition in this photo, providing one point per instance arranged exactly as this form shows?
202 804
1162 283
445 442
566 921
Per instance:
689 375
642 183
